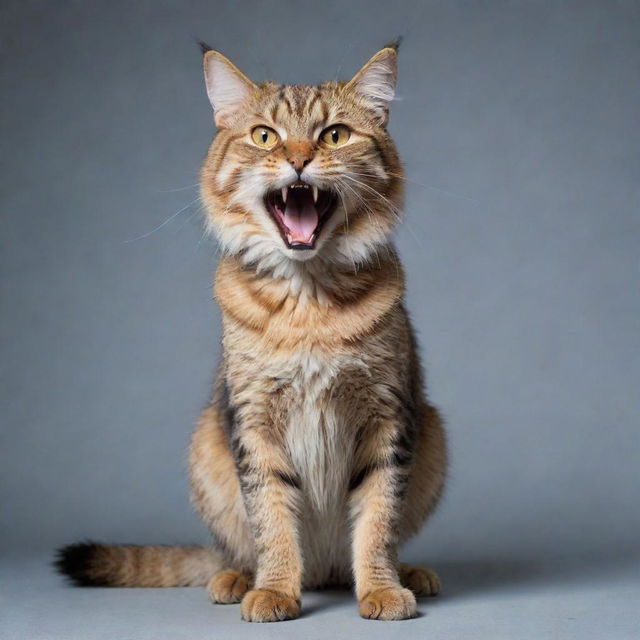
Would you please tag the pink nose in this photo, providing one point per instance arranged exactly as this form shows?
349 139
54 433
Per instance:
299 154
299 162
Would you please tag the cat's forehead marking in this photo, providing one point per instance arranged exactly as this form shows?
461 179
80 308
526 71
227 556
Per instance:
299 108
298 96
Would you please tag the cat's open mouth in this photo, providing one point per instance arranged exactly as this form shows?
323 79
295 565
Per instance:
300 211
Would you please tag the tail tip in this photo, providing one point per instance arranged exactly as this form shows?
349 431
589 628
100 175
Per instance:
75 561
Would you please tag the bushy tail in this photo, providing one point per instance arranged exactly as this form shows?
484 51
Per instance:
91 564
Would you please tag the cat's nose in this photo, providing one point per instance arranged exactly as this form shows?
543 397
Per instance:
299 163
299 155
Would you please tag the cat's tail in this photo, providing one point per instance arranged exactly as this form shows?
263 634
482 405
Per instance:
90 564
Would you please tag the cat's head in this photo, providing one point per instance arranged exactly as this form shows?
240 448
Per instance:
299 173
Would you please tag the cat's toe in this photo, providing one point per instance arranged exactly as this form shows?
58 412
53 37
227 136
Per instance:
421 580
264 605
228 587
388 603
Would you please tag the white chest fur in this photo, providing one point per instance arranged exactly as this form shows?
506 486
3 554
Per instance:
320 446
318 443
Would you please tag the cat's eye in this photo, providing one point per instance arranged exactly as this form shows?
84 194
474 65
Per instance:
336 136
265 137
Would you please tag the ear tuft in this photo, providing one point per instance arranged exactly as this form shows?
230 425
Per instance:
204 47
227 87
376 81
395 44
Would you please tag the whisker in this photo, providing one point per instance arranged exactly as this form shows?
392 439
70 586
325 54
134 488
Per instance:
420 184
166 222
371 215
370 212
344 206
189 186
190 217
393 208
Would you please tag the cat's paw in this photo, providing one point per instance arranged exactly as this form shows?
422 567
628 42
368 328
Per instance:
388 603
264 605
421 580
228 587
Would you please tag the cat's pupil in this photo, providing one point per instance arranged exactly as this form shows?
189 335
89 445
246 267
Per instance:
265 136
335 136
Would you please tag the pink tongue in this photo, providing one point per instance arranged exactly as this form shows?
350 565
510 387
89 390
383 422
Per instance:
301 218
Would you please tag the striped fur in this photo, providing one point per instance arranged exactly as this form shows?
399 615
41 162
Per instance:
319 453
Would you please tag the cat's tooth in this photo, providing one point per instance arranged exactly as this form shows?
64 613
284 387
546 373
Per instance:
284 194
315 192
289 238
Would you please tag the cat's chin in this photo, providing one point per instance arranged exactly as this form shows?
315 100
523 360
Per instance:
300 212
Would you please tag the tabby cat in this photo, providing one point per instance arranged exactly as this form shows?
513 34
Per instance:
319 453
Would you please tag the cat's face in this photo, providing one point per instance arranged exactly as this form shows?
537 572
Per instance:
301 172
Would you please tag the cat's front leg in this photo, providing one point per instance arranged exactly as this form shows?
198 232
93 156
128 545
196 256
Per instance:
378 487
271 494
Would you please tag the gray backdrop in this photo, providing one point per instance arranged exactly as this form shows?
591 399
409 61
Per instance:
518 123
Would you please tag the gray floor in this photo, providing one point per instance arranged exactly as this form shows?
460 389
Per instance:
558 600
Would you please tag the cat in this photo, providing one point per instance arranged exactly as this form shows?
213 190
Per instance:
319 452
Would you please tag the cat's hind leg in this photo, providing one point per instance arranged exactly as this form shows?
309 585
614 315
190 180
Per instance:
422 581
216 495
229 586
423 492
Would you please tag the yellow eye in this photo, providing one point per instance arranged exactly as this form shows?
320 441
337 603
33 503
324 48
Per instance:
336 136
265 137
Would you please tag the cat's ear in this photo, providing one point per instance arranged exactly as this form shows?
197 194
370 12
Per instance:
227 87
376 81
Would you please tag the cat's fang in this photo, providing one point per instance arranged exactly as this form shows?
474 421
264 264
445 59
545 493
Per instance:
299 211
